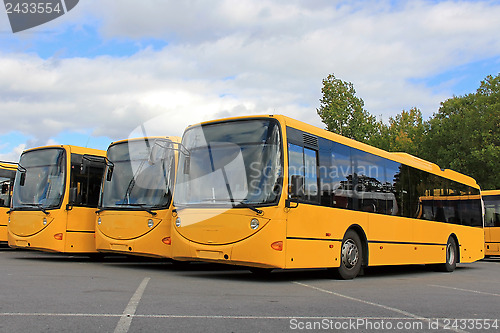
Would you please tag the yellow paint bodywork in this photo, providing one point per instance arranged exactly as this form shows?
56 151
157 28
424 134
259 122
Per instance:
127 231
491 234
76 224
312 234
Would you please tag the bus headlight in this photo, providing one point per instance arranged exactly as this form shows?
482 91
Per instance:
254 224
150 223
44 221
178 222
99 221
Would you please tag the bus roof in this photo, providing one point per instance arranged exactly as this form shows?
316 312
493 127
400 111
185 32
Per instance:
72 149
171 138
490 192
8 165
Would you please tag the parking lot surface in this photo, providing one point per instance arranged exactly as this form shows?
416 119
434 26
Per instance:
43 292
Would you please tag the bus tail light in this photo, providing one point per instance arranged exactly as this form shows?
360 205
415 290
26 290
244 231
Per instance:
58 236
167 240
278 246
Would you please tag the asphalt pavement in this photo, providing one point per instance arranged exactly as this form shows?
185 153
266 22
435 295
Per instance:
43 292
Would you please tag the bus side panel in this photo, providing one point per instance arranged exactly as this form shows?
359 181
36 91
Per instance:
471 241
390 240
81 219
492 241
4 218
304 253
79 242
312 229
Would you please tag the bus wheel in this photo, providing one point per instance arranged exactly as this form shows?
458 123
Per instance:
451 256
351 256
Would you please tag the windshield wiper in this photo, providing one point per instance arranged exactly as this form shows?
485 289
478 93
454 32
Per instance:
243 204
144 207
39 206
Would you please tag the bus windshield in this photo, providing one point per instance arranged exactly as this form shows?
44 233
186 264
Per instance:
142 175
40 179
230 164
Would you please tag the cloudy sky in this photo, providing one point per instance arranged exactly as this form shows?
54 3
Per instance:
109 67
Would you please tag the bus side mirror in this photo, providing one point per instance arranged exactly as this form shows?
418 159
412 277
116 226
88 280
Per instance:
296 187
73 193
109 174
22 178
83 167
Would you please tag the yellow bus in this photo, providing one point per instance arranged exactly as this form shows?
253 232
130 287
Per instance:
7 175
135 208
491 222
55 198
272 192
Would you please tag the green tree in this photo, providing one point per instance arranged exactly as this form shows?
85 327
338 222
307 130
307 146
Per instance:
464 135
404 133
343 113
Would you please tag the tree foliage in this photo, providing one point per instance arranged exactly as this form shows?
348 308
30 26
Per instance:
404 133
464 135
343 112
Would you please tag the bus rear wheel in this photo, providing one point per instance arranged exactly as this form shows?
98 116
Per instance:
351 255
451 256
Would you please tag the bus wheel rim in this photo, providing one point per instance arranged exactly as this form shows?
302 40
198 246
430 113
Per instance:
451 254
350 253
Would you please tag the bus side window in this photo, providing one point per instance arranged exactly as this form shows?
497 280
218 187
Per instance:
295 168
86 178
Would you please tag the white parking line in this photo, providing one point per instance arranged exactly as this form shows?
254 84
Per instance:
389 308
467 290
241 317
126 318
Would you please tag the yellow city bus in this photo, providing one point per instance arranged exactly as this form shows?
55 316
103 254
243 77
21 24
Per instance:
7 175
272 192
491 222
135 208
55 198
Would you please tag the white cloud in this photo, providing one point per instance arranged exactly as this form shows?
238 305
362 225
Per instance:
228 58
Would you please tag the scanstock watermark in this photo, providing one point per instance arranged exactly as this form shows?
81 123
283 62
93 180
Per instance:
26 14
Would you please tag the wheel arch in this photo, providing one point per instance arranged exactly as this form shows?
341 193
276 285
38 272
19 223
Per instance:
364 241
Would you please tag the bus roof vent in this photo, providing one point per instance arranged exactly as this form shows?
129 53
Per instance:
310 140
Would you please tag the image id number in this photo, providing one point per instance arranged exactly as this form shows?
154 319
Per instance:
33 8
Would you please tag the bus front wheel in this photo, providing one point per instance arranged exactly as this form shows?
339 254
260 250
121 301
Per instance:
350 256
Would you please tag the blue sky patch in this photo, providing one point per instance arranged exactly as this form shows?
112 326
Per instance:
76 41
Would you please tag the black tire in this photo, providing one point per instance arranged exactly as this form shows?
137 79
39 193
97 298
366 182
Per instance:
96 256
351 256
260 272
451 256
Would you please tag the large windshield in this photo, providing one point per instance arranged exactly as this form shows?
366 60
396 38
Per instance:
142 174
230 164
40 179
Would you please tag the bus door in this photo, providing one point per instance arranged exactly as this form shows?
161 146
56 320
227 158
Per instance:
310 236
84 188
